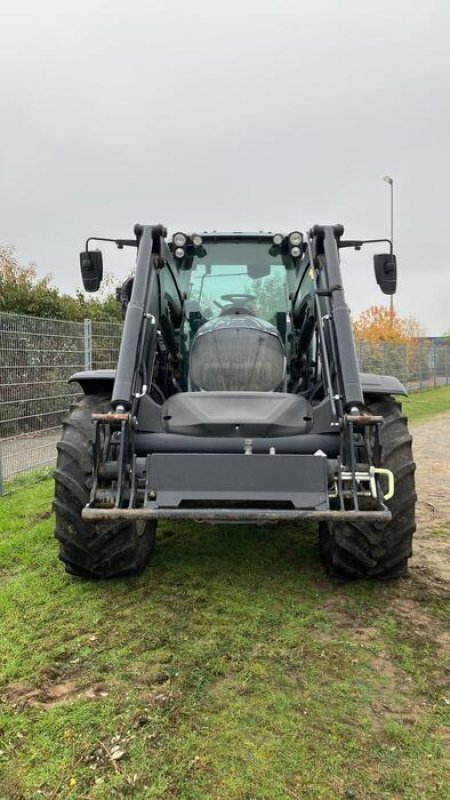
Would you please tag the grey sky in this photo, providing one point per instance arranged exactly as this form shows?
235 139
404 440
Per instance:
238 115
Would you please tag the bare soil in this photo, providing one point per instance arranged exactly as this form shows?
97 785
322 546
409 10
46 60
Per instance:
51 692
431 447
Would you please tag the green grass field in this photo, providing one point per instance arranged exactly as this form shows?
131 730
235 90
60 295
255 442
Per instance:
233 669
420 406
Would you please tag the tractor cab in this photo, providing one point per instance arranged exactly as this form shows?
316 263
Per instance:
235 381
236 331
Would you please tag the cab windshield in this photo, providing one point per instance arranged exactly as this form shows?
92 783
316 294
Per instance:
240 275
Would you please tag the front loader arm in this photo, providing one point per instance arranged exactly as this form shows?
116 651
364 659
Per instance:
335 316
146 310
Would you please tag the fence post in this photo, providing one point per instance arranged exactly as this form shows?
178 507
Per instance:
405 364
420 366
2 487
87 344
435 364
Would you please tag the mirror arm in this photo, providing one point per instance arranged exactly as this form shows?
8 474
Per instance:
119 242
358 243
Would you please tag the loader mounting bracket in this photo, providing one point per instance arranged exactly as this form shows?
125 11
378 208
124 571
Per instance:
113 442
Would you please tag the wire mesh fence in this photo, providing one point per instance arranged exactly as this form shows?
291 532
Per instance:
37 356
419 364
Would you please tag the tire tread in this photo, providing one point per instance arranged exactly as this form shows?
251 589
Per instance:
94 550
364 549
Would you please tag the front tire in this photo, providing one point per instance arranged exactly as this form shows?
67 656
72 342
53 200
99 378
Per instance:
100 549
373 549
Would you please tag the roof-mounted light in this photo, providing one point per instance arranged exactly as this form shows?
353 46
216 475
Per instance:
295 238
179 239
179 252
278 239
295 252
196 240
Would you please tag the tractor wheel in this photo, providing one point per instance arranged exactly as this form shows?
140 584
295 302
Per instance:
100 549
374 549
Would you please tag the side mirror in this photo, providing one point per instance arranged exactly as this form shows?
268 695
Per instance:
386 272
91 263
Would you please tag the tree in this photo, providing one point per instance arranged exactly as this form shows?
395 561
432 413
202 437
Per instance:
391 344
379 324
22 292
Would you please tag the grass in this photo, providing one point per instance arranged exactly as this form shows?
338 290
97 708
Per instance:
420 406
26 479
231 670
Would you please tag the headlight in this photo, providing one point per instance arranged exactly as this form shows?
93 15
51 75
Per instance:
179 252
196 240
179 239
295 252
278 239
295 238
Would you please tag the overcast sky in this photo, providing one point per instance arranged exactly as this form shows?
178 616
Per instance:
237 115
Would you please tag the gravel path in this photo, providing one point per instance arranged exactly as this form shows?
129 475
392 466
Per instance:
431 448
26 453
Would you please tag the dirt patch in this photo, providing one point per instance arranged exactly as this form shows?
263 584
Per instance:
48 694
444 733
420 624
43 515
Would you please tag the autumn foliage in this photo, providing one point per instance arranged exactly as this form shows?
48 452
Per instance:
379 324
391 345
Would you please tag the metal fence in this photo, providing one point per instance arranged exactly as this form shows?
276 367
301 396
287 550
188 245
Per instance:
38 355
420 364
36 358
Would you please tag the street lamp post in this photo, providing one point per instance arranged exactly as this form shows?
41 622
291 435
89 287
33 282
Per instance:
390 181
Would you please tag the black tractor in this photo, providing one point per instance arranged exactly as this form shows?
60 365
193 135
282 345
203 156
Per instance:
237 397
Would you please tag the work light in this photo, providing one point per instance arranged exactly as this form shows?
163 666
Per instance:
179 239
295 238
